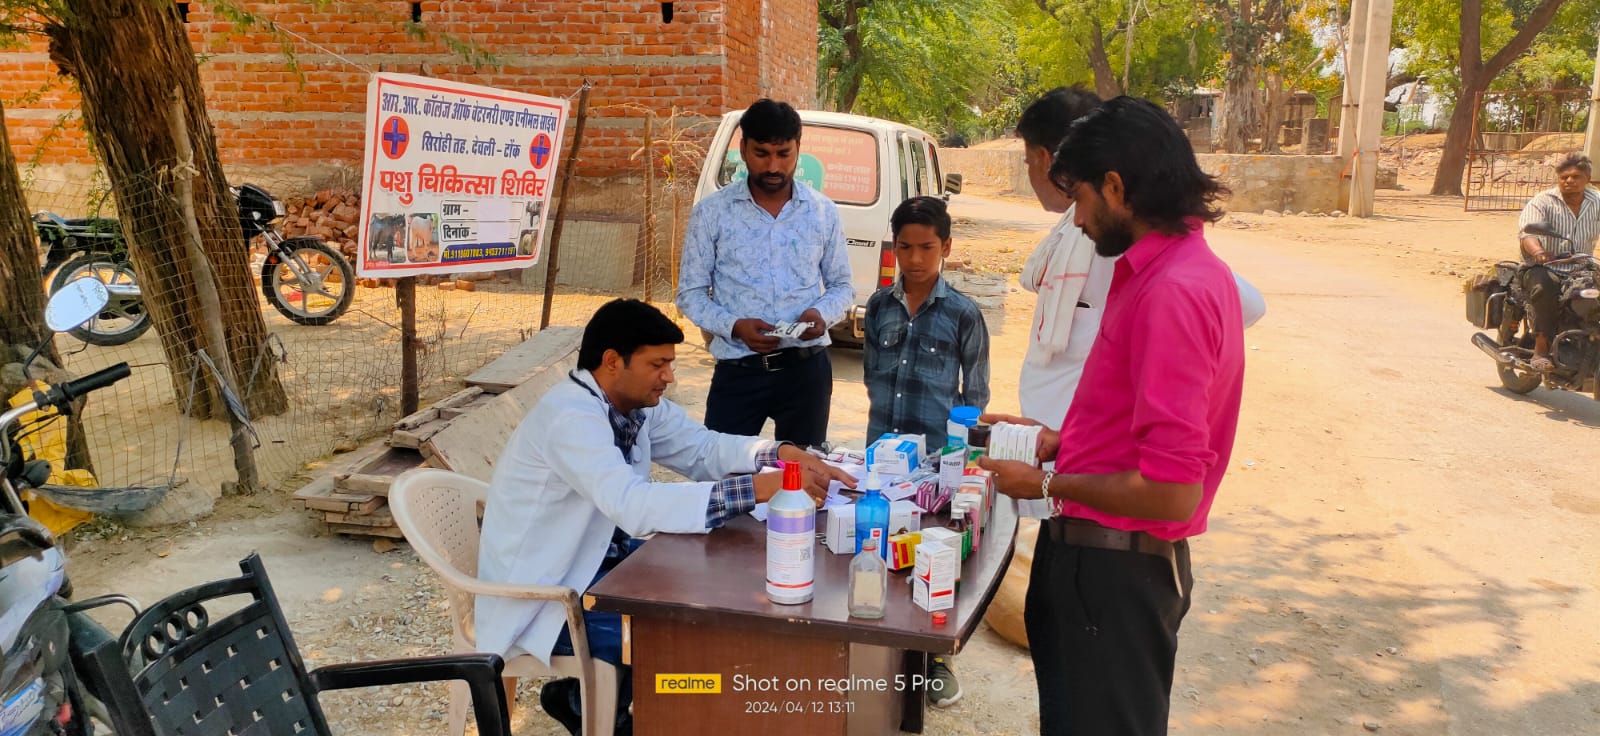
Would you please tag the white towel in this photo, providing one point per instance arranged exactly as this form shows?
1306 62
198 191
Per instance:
1057 271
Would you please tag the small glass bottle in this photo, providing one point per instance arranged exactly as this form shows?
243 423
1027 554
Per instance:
961 524
869 581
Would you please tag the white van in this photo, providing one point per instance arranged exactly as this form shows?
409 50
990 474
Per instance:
865 165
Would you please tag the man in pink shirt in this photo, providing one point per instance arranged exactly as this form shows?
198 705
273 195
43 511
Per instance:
1147 437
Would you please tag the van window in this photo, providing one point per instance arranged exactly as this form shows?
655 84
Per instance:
839 162
919 167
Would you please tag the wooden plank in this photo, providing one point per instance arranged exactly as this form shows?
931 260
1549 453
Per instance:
379 517
461 398
374 478
472 443
357 484
366 531
345 503
524 361
418 419
449 413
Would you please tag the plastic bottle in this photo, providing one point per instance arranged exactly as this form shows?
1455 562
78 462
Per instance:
791 534
872 515
869 581
961 417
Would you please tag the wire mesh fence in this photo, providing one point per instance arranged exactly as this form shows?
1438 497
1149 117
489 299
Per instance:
312 389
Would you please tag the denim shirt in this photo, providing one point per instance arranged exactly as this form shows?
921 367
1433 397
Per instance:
916 369
739 261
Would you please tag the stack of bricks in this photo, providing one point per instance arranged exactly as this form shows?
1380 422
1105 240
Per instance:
332 216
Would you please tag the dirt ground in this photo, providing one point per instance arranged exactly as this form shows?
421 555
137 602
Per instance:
1381 556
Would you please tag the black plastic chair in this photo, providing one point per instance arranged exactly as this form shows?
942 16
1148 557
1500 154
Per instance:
242 673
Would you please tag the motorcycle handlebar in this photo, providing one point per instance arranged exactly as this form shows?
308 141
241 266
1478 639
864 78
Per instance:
70 391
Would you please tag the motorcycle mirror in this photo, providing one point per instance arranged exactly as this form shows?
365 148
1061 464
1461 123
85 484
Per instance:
1540 229
76 303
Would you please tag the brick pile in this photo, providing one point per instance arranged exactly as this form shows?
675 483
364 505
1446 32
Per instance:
332 215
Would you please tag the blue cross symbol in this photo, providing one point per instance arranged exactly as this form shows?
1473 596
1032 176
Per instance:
540 150
395 137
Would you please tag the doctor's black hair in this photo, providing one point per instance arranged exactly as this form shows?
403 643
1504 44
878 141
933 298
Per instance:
624 325
930 211
770 121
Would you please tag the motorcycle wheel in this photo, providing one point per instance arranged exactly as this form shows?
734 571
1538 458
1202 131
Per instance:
123 321
1518 382
320 303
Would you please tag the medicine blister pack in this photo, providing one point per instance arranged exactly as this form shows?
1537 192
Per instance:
1020 442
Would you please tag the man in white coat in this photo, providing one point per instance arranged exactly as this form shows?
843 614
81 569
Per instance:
573 485
1070 278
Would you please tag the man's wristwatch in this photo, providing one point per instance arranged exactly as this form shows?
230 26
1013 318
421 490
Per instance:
1044 485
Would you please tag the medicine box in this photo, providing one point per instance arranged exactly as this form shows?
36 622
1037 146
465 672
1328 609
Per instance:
893 457
904 516
840 531
933 585
903 550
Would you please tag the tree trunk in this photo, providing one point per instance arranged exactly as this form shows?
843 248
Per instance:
22 290
21 284
1276 97
1241 108
1453 162
853 50
1105 80
1476 75
127 56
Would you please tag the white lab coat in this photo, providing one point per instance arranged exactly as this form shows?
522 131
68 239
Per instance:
561 486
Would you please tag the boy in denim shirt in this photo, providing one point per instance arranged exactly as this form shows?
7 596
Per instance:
927 350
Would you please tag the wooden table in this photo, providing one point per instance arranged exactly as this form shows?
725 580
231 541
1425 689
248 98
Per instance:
697 605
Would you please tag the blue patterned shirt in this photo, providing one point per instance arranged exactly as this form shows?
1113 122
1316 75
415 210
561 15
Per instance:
917 369
737 495
739 262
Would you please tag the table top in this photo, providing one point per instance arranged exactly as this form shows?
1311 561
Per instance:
719 579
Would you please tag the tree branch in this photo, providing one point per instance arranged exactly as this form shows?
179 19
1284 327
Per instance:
1538 20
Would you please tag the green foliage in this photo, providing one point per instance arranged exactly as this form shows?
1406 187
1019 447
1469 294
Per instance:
927 63
1563 55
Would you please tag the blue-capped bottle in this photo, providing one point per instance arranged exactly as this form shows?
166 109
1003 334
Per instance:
872 516
791 534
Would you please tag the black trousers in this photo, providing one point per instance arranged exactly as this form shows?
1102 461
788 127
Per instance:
1103 632
1543 287
742 399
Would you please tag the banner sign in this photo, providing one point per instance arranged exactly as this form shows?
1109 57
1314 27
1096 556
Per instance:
458 177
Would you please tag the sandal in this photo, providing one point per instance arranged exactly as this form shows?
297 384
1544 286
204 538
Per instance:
1541 364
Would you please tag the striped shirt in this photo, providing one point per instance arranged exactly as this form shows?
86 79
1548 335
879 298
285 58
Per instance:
1549 209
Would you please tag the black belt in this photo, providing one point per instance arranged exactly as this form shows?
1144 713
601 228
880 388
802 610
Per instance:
1086 533
778 360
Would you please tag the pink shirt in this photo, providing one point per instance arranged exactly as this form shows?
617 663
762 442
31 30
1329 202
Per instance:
1161 388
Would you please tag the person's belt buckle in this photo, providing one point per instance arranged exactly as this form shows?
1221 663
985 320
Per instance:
766 362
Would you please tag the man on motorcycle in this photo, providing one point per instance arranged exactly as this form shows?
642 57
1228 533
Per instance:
1572 209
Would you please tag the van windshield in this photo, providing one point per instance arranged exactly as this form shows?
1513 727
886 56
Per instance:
839 162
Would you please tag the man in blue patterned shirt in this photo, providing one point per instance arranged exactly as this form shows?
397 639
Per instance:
760 251
927 346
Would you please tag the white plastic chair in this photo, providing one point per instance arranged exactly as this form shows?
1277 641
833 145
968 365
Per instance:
438 512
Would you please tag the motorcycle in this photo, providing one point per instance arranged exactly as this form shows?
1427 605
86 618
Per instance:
46 643
305 279
1500 303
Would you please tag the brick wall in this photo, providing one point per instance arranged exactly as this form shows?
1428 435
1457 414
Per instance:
715 55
